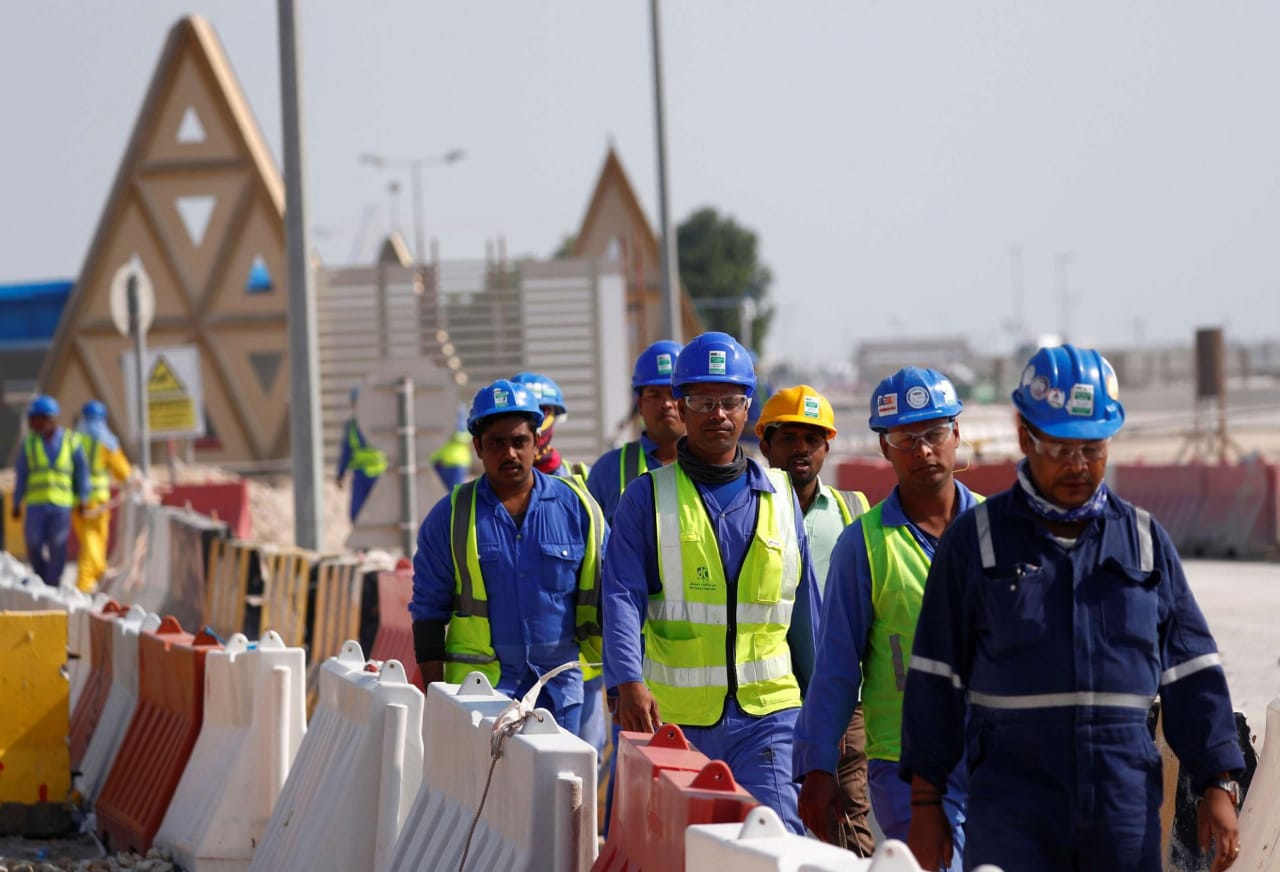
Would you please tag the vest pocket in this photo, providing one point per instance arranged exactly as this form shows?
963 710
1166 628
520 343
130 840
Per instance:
762 572
1014 603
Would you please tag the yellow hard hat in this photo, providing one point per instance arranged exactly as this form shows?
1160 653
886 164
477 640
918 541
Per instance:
798 405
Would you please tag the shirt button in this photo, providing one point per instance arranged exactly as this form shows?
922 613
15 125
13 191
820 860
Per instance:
564 553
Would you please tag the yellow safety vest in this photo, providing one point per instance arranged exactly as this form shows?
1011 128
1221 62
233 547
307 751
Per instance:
689 620
468 643
847 501
99 476
50 484
631 463
364 457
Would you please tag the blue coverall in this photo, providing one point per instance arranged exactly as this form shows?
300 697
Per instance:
1054 654
530 579
45 526
361 482
757 749
605 475
847 617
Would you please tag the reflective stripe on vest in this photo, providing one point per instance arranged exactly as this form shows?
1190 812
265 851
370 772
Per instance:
631 464
50 484
852 504
364 457
99 477
686 634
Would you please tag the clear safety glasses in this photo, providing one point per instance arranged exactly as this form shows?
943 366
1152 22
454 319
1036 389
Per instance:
1061 452
907 440
707 405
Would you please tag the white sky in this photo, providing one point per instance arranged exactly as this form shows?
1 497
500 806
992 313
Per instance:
888 154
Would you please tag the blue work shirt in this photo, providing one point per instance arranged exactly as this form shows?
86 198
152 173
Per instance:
631 572
606 475
52 446
847 616
530 580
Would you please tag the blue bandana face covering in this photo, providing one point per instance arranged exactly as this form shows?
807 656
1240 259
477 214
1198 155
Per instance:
1092 507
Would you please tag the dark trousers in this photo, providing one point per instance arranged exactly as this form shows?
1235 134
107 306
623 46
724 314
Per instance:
853 830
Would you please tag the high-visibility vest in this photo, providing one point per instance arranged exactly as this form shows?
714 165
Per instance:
364 457
99 476
852 504
468 643
631 463
687 632
898 568
50 484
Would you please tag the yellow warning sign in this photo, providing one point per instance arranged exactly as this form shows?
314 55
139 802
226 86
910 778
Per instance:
162 379
170 406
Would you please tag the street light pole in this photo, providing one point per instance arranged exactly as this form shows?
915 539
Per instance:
415 166
670 264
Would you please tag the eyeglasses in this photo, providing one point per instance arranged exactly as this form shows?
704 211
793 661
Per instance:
905 440
707 405
1061 452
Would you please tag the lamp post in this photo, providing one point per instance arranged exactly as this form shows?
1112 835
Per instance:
415 166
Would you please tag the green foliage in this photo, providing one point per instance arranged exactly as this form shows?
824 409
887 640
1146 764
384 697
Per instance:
721 269
566 247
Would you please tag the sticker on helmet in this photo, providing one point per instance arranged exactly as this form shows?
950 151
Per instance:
1027 375
1055 398
715 362
946 390
1081 401
917 397
499 398
1113 386
887 404
664 364
1039 387
811 408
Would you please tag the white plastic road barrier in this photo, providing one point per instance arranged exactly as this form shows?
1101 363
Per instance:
1260 818
254 721
355 775
122 698
78 612
540 812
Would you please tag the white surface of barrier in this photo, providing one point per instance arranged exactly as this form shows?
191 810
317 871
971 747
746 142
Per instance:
355 775
122 698
1260 818
540 812
78 612
254 721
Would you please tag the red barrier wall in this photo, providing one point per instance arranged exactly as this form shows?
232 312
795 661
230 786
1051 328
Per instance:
395 626
875 477
228 501
97 685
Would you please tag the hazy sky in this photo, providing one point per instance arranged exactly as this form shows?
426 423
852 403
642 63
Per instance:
889 154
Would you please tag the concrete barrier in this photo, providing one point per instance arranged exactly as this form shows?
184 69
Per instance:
1260 818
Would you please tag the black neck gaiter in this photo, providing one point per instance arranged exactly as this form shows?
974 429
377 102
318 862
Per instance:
709 473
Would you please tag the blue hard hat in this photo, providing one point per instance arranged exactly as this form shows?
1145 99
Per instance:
544 389
655 365
713 358
43 405
1070 393
354 395
94 410
503 397
913 394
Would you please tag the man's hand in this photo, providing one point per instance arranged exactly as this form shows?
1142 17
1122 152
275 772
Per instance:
16 511
929 833
820 804
1216 822
637 709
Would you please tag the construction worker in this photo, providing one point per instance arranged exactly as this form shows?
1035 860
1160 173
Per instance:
873 593
365 462
709 591
506 575
795 429
452 460
551 401
1054 614
106 461
52 479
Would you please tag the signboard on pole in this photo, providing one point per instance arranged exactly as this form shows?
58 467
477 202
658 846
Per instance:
174 392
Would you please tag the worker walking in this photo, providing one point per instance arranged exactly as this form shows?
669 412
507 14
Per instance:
1054 614
551 400
506 576
106 461
709 589
52 479
795 429
452 460
872 597
365 462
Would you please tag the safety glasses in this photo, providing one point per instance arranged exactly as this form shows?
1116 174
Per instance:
1061 452
707 405
907 440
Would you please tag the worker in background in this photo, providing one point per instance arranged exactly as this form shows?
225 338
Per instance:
551 400
52 479
795 429
1054 614
452 460
506 577
709 589
106 461
872 597
365 462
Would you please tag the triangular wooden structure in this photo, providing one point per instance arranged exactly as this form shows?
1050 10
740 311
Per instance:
195 143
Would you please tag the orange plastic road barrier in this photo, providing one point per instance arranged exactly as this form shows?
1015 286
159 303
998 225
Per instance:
93 697
395 627
159 739
681 799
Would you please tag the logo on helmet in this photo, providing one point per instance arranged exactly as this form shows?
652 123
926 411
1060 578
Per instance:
715 362
1113 386
1055 398
887 404
664 364
499 398
1039 387
1081 401
811 408
1028 374
917 397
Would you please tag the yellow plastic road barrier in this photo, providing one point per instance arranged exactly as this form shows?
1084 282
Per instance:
34 708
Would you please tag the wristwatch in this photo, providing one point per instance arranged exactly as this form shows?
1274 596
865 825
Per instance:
1230 786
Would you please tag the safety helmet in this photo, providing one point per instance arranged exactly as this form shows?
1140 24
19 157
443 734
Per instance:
655 364
354 395
544 390
713 358
913 394
1070 393
798 405
94 410
43 405
503 397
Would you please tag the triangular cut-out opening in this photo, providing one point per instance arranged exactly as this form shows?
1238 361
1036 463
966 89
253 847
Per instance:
190 130
266 366
195 213
259 277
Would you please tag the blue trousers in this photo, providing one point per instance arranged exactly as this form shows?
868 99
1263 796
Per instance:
891 802
591 726
45 529
361 484
567 714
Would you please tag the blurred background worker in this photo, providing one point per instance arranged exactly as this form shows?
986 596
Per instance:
452 460
709 590
52 479
795 429
365 462
551 400
106 461
506 577
1054 614
871 601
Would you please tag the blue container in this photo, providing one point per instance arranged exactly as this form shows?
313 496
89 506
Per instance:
29 312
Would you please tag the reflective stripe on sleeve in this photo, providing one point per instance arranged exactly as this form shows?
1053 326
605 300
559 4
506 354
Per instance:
936 667
1189 667
1146 553
1078 699
985 545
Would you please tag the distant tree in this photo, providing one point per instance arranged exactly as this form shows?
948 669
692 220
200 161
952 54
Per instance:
721 269
566 247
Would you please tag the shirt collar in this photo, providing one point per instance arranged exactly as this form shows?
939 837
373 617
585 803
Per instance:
647 445
1021 506
757 479
541 481
892 514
